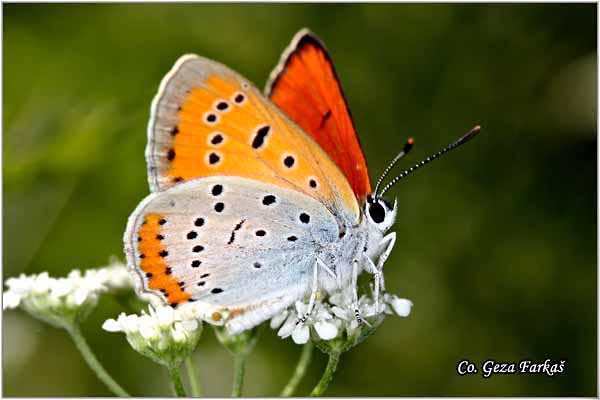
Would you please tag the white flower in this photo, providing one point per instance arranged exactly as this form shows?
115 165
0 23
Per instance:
111 325
400 306
189 325
128 323
148 328
301 334
326 330
63 301
164 334
335 315
343 308
10 300
320 318
17 289
115 276
178 335
165 316
41 283
277 320
289 325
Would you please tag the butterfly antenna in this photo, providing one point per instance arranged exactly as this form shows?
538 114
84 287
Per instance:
464 139
407 147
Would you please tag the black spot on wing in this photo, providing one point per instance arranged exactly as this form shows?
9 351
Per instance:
222 106
171 155
235 229
216 139
289 161
259 137
213 158
239 98
217 190
268 200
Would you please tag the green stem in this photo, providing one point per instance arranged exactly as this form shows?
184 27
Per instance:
239 367
93 362
177 382
192 377
334 358
300 371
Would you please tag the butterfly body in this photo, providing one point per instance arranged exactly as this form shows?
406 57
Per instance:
251 211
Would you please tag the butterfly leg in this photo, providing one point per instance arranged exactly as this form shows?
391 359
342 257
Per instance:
391 241
388 241
313 295
326 268
377 279
355 292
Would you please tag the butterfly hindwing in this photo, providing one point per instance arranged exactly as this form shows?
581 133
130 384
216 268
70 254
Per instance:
209 121
238 247
305 86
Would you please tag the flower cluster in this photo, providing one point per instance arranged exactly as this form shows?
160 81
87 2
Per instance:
334 317
64 301
165 335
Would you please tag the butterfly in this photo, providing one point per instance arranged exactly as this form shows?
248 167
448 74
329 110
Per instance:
258 200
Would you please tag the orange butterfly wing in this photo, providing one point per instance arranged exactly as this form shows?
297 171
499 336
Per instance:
306 88
209 121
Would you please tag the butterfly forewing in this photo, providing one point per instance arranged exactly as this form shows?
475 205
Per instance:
209 121
306 87
238 247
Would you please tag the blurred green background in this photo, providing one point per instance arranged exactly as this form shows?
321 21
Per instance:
497 243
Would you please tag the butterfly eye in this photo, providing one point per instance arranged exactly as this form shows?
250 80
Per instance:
377 212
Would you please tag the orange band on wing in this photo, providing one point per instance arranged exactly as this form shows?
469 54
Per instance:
154 264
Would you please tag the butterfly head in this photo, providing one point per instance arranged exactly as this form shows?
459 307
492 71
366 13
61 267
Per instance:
380 213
